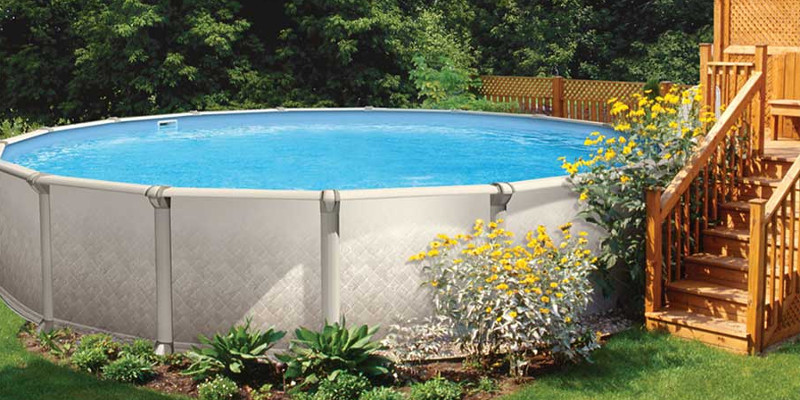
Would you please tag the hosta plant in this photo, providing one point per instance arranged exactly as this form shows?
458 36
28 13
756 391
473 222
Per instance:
653 138
314 355
509 298
130 369
234 354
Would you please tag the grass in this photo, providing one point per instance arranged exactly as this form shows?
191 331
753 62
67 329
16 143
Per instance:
27 376
640 365
634 365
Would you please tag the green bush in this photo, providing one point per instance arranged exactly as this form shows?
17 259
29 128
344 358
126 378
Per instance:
219 388
316 355
345 386
235 354
435 389
141 348
381 393
130 369
100 341
90 359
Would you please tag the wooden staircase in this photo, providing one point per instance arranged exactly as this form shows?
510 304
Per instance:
722 238
709 302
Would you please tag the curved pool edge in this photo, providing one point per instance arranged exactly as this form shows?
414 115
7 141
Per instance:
169 263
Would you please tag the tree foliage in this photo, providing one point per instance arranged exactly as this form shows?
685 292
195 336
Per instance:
86 59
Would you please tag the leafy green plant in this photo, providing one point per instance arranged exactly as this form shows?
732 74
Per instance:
55 341
234 354
485 385
16 126
435 389
262 393
141 348
90 359
219 388
101 341
345 386
316 355
130 369
381 393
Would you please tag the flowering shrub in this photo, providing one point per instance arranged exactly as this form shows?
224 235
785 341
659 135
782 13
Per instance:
655 137
513 299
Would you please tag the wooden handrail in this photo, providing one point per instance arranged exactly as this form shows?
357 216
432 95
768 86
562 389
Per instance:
730 64
787 183
708 145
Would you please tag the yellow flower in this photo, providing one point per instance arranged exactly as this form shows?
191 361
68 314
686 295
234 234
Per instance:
567 319
488 310
435 283
433 253
553 285
559 295
512 314
583 196
624 179
458 261
501 286
544 310
545 299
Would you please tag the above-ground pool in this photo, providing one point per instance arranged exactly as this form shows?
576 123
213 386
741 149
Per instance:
171 226
310 150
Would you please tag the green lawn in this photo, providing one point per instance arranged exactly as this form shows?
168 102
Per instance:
634 365
643 366
25 376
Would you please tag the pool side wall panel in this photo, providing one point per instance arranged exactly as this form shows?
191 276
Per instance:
234 258
20 262
103 260
379 286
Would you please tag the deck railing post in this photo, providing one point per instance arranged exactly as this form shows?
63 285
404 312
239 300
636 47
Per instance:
760 111
705 83
756 279
654 268
46 251
163 249
498 202
558 97
329 256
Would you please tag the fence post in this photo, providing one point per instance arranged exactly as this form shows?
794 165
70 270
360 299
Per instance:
756 278
499 201
46 250
761 108
664 87
653 276
558 96
329 256
705 83
163 241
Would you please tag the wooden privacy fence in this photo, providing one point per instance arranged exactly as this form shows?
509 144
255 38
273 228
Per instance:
559 97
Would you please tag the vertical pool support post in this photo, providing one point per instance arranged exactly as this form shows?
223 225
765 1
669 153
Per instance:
329 256
46 250
163 239
499 201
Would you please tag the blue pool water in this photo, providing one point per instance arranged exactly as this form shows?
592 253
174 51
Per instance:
310 150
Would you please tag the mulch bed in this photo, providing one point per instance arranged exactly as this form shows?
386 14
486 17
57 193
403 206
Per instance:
169 378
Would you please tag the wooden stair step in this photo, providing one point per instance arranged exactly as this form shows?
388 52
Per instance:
742 235
699 321
710 290
761 181
730 335
726 262
719 332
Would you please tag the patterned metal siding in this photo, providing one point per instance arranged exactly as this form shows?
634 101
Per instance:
103 263
234 258
378 236
20 264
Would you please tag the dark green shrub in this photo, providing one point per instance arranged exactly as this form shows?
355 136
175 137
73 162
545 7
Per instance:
90 359
381 393
235 354
219 388
317 355
130 369
435 389
141 348
344 386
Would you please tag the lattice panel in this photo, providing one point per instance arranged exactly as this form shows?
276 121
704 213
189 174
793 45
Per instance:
588 100
776 22
788 323
516 86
